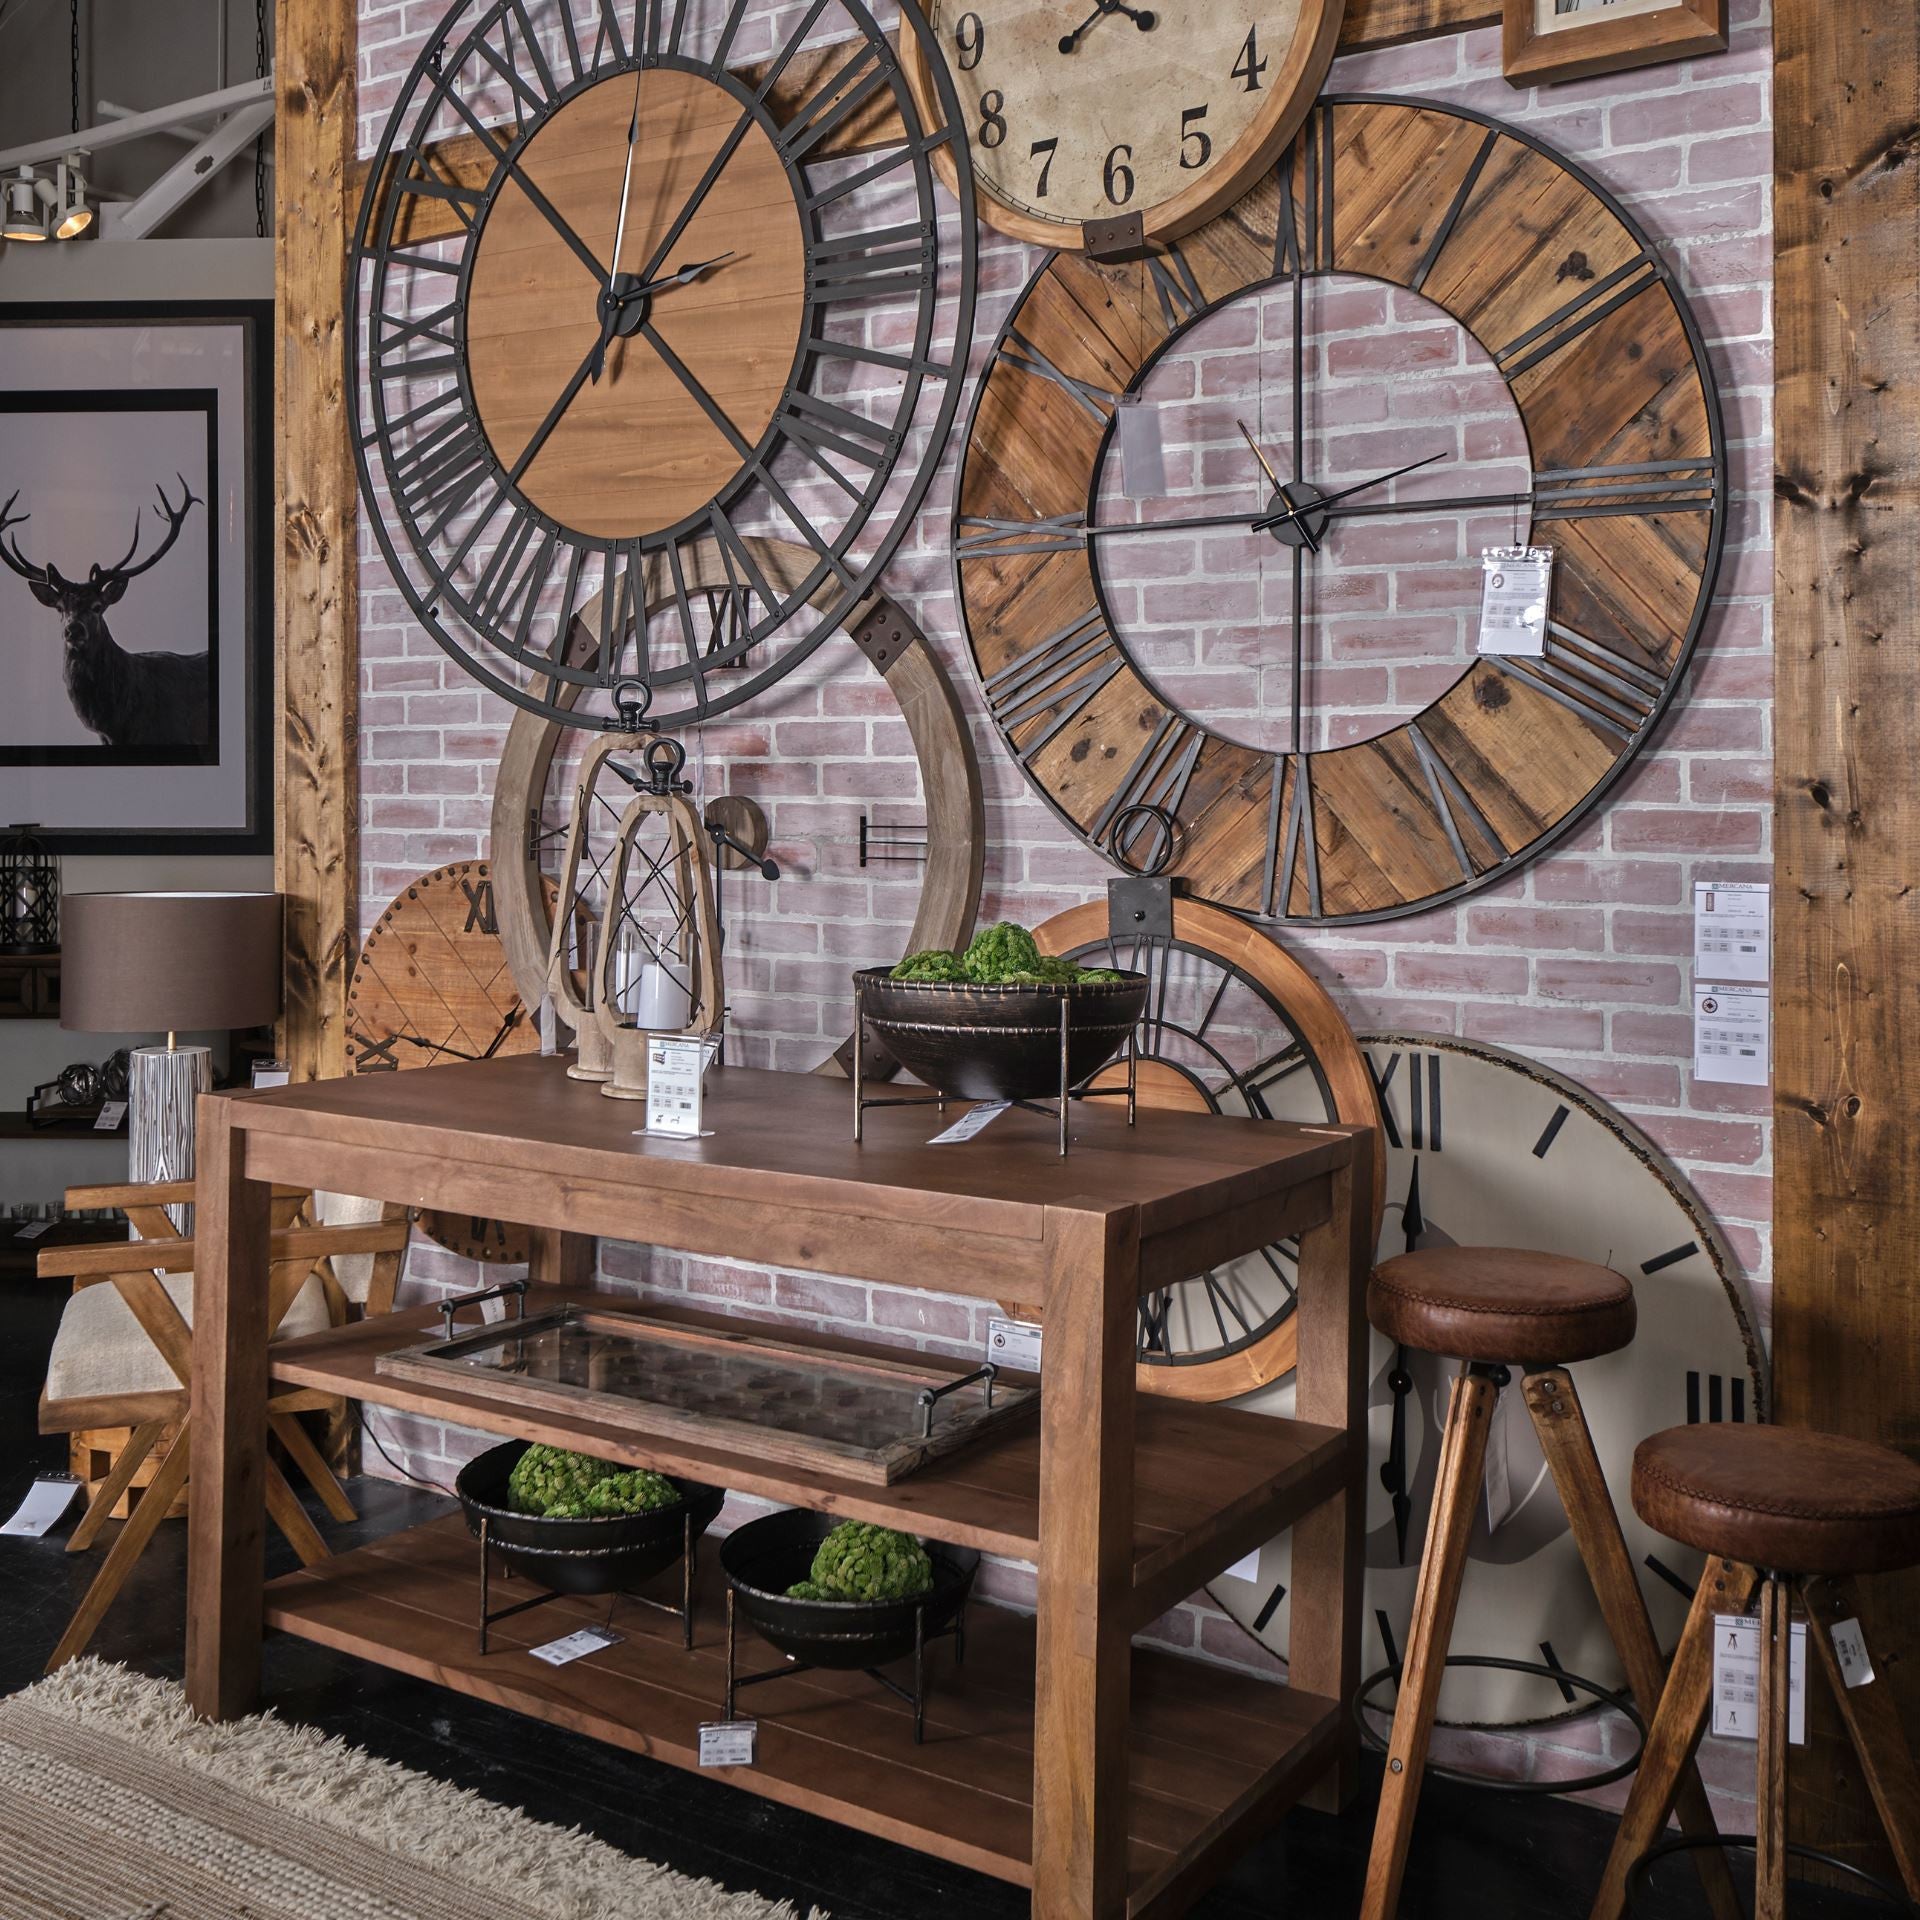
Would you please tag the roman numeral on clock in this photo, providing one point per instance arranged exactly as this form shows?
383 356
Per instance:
1158 777
830 435
1179 293
1021 354
481 918
982 537
1423 1083
441 470
375 1056
1057 679
834 102
864 266
1301 854
1592 304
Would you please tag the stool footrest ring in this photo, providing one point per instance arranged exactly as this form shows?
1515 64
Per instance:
1641 1870
1621 1703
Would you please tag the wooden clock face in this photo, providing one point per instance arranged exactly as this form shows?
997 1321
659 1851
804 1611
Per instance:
618 285
1274 637
1486 1148
1093 113
432 985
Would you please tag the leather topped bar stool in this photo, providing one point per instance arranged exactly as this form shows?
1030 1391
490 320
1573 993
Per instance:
1495 1309
1789 1512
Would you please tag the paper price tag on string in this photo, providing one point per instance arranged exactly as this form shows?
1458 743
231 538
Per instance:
576 1646
33 1230
1516 586
110 1116
728 1743
982 1117
1850 1650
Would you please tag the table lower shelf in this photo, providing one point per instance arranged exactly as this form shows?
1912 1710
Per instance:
1213 1755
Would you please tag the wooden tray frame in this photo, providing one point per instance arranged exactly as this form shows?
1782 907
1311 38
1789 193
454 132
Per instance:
436 1363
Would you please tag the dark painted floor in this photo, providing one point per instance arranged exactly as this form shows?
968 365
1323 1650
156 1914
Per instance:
1476 1855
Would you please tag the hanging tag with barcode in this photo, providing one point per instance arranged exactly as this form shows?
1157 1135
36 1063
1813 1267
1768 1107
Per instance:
728 1743
1516 588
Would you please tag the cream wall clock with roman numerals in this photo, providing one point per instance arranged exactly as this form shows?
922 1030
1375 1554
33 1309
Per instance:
1485 1148
618 268
1106 123
1461 341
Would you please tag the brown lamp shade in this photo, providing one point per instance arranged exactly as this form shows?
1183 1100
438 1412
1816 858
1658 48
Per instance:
178 962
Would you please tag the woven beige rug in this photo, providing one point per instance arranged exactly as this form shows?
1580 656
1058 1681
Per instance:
116 1804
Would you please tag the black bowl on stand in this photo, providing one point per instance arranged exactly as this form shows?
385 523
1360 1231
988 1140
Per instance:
762 1559
602 1553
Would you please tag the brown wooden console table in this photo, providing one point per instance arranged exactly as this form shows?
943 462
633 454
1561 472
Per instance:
1112 1780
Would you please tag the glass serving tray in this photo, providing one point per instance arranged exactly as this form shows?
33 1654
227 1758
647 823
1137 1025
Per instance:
856 1417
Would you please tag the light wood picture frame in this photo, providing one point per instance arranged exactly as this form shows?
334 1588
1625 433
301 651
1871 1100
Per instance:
1547 41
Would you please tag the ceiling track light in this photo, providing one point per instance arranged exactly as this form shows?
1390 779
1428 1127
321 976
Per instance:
72 212
24 218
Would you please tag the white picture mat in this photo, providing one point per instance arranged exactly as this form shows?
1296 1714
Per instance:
1584 13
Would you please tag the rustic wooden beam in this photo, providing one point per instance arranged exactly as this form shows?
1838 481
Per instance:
1847 809
316 609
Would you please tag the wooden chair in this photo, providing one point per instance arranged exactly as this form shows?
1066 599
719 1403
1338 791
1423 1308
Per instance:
123 1357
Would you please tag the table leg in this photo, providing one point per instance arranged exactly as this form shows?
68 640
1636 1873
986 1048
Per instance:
226 1519
562 1259
1329 1543
1085 1583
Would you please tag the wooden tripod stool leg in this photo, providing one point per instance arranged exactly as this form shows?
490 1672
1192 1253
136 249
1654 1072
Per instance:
312 1464
106 1495
1725 1587
1873 1725
1567 1442
1770 1812
1443 1565
129 1545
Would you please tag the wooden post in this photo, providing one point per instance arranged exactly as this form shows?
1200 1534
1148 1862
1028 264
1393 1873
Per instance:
316 650
1082 1659
226 1520
1329 1544
1846 1291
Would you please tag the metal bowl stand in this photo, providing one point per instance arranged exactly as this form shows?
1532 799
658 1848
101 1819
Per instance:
689 1566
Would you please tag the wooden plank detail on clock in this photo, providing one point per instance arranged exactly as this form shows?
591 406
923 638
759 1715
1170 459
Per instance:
1574 309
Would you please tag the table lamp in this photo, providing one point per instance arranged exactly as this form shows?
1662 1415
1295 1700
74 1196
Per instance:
178 963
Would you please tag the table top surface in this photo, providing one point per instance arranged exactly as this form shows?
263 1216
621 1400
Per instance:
789 1136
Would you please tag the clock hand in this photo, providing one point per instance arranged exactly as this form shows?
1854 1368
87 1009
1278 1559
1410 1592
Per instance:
681 276
433 1046
506 1027
1359 486
715 167
1393 1473
1193 524
1140 17
610 298
1273 480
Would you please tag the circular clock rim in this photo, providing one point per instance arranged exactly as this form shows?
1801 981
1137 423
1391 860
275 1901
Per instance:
901 511
1311 1012
1221 183
1704 599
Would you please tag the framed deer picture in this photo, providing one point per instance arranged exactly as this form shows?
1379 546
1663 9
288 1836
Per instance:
135 576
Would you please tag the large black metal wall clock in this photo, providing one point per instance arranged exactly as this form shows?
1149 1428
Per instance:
1231 569
625 291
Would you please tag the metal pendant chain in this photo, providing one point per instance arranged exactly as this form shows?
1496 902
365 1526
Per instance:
260 145
73 69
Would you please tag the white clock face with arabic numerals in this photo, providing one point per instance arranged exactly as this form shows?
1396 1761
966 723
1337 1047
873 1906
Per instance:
1485 1148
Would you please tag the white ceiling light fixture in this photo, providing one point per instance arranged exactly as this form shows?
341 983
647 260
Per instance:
72 213
24 219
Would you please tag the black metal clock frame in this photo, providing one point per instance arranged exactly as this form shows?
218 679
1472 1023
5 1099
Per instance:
437 477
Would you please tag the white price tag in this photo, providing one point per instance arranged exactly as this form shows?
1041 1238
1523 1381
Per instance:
1516 586
1731 1032
111 1113
270 1073
1736 1679
1247 1568
676 1076
549 1025
1143 453
576 1646
1850 1649
47 1499
982 1117
1732 929
33 1230
728 1743
1015 1344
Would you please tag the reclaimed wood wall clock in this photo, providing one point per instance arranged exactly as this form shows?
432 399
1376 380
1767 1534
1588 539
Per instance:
433 985
1485 1147
1234 1024
533 796
1131 125
1595 353
615 299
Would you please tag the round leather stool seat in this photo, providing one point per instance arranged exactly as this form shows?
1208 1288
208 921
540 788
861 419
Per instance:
1501 1306
1781 1498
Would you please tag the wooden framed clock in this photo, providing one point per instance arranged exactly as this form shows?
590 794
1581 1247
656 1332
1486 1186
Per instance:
615 287
1111 125
433 985
1486 1147
1219 526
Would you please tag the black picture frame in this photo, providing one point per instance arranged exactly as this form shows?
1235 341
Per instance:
254 680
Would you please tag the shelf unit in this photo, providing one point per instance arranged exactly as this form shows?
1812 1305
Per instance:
29 986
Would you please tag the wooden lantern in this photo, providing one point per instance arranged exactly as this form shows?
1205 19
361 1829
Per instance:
656 966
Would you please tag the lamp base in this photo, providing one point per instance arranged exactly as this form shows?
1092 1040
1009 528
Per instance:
163 1086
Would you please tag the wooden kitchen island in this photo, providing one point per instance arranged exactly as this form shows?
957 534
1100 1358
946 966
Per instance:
1111 1780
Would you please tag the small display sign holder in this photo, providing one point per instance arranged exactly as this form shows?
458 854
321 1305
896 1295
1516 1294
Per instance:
676 1085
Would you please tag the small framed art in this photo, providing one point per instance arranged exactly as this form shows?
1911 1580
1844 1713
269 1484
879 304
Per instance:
135 584
1547 41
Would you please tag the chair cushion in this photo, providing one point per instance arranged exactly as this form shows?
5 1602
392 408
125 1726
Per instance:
1781 1498
354 1271
101 1350
1501 1306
